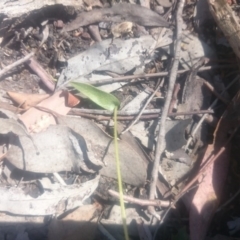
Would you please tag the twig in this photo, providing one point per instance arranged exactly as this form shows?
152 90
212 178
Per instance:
142 202
131 113
131 117
143 108
214 91
59 178
99 117
152 75
15 64
172 78
76 111
45 77
120 118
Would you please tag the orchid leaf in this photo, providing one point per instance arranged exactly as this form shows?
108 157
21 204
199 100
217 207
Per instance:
101 98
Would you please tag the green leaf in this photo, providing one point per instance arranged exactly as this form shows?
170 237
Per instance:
101 98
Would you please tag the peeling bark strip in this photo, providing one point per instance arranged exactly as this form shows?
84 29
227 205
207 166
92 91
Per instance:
118 13
227 22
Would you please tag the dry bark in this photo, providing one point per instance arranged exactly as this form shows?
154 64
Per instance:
227 22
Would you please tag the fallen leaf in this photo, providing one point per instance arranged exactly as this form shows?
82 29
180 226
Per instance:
129 12
118 56
78 142
137 102
56 201
25 100
37 120
193 49
71 100
70 151
133 161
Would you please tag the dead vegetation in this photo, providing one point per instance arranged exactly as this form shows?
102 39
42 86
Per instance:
174 67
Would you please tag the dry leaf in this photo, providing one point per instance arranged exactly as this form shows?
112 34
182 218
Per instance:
118 56
56 201
130 12
71 100
37 120
25 100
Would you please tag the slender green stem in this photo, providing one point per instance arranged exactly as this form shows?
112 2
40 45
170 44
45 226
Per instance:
120 188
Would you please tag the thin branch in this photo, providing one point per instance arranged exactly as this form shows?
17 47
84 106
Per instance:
77 111
142 202
143 108
15 64
172 78
214 91
59 178
132 117
120 118
45 77
153 75
98 115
